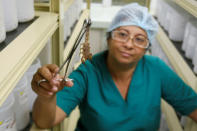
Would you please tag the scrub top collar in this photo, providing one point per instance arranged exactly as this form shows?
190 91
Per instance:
137 78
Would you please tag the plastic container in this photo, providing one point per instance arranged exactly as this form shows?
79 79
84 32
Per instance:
30 72
194 61
21 105
7 118
73 17
166 18
192 41
195 69
45 54
2 25
186 34
163 13
25 10
168 11
10 15
75 11
67 30
160 11
178 20
79 7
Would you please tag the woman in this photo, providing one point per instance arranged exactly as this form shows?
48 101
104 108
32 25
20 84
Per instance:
121 88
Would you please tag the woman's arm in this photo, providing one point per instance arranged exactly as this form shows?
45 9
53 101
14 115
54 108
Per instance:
193 115
45 112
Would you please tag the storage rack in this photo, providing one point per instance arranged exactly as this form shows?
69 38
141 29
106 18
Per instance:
181 67
22 51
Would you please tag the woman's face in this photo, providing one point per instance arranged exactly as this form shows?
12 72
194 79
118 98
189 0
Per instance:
126 52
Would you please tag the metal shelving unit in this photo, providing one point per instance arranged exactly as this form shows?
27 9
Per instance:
21 52
189 5
181 67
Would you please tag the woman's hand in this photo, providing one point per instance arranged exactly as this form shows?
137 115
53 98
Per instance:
51 83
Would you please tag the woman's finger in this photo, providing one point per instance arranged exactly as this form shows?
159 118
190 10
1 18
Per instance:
41 91
67 83
53 68
45 73
44 84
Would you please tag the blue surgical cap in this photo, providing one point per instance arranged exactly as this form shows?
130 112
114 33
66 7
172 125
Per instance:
137 15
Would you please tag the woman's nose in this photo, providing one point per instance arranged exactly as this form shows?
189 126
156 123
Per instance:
129 44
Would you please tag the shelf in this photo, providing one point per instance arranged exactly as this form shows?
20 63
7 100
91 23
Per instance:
176 60
10 36
44 6
189 5
20 53
37 4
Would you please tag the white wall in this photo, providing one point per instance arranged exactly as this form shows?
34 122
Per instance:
97 40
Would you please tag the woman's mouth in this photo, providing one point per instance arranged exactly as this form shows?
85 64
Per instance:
125 54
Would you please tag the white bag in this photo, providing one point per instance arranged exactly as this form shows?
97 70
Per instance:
30 72
7 119
21 100
194 60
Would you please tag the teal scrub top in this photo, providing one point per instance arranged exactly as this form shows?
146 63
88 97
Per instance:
102 108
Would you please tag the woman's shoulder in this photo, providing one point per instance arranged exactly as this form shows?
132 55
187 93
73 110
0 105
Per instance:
152 59
155 63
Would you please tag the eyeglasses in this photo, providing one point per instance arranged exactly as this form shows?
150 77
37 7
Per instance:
123 36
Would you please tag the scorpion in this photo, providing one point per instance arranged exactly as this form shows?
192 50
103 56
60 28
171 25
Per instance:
85 48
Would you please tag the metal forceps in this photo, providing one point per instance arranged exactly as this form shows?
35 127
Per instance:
86 24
